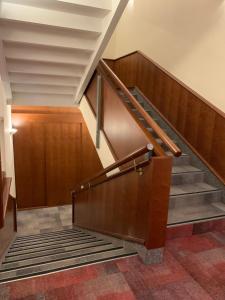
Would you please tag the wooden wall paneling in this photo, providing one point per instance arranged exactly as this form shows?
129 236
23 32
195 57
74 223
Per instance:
50 147
190 114
29 149
63 161
192 120
181 111
206 131
218 146
123 133
127 69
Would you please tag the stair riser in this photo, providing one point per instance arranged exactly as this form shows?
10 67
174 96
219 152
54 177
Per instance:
194 199
181 160
187 178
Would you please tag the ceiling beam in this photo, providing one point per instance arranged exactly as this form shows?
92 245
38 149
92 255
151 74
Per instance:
28 78
36 15
34 35
42 99
20 66
45 54
43 89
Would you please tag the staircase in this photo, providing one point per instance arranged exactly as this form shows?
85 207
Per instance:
54 251
49 49
195 193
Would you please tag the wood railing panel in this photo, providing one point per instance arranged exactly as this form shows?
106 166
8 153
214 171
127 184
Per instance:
132 206
198 121
119 126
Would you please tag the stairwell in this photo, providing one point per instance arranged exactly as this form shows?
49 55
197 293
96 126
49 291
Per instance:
195 194
44 253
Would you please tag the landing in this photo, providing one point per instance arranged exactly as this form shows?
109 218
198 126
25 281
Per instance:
194 268
35 221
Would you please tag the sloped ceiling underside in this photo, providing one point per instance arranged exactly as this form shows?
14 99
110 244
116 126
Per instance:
50 48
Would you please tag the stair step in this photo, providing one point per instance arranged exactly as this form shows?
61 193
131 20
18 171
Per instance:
57 257
181 201
184 169
187 178
26 250
47 234
194 213
48 243
184 159
57 250
64 264
197 187
18 244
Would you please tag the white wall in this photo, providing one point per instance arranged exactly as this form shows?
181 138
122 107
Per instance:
6 139
103 151
185 37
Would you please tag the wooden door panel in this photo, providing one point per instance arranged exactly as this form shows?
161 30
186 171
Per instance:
29 148
63 161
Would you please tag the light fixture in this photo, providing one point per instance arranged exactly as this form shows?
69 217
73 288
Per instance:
12 131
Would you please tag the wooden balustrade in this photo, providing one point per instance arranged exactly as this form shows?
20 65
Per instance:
131 204
198 122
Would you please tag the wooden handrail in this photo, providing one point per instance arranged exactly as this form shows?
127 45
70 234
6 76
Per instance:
137 167
160 133
114 166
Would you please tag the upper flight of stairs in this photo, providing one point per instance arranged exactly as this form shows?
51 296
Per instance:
195 194
50 48
54 251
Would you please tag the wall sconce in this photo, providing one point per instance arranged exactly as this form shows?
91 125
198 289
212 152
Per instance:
12 131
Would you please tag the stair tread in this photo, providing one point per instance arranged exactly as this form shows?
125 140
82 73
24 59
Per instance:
191 188
48 247
184 169
194 213
56 257
46 234
42 253
18 244
64 264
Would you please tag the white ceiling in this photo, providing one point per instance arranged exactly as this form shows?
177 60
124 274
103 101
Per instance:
50 48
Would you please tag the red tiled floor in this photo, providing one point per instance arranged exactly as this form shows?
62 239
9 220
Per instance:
193 268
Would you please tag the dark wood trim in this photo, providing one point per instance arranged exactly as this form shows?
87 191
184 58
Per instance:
182 137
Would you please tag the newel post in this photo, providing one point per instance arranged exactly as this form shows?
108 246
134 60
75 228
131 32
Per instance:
159 190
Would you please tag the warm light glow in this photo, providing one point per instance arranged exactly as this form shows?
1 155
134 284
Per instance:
131 3
13 131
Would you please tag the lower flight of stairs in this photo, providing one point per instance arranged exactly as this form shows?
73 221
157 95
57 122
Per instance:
49 252
192 196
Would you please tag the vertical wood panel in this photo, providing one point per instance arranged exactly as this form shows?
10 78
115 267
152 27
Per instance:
29 148
53 153
63 161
